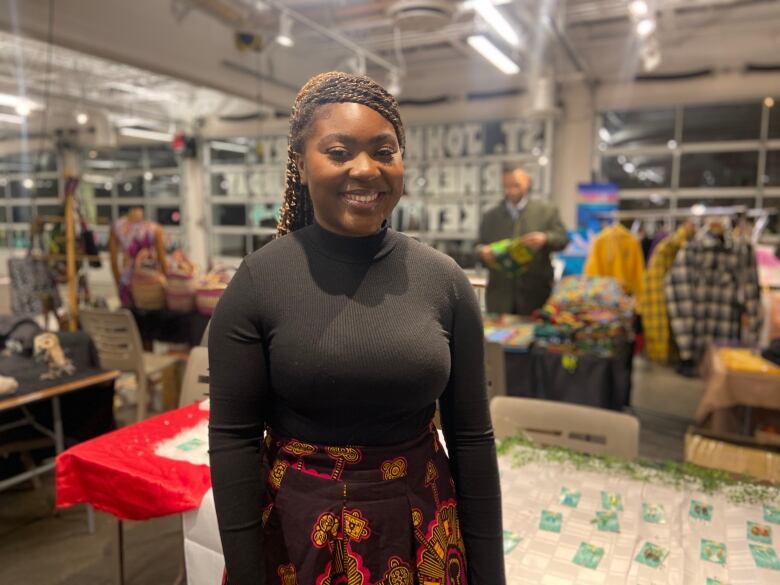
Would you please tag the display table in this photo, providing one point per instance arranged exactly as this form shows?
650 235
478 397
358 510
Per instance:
171 326
604 382
729 391
80 403
567 518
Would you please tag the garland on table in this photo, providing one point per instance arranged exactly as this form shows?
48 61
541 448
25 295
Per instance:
737 489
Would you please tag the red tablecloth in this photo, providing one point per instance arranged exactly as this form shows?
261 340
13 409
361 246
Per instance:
119 472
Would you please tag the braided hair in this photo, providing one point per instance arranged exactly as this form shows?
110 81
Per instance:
326 88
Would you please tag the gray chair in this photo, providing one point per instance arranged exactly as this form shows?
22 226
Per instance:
581 428
119 347
195 385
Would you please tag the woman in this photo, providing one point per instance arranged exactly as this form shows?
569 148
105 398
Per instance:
338 338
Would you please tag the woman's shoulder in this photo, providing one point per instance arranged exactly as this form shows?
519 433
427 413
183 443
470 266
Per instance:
276 252
429 259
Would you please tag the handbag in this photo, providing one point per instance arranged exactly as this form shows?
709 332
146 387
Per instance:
180 294
148 283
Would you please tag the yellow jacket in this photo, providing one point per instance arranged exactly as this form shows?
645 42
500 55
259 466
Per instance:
616 252
655 317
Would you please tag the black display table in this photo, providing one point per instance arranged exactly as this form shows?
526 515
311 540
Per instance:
604 382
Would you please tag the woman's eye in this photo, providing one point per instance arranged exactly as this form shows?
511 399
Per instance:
338 154
385 153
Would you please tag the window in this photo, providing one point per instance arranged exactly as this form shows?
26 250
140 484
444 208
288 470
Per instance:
722 122
21 214
774 120
228 245
265 215
131 187
105 212
719 169
687 202
39 188
229 215
162 185
168 215
645 204
637 172
637 128
772 175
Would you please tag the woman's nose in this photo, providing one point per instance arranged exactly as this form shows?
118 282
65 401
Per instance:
364 167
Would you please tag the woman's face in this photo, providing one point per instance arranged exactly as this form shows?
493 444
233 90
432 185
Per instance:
351 163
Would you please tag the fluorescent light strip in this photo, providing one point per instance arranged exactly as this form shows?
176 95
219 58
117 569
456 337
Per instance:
14 101
11 119
489 51
496 20
229 146
147 134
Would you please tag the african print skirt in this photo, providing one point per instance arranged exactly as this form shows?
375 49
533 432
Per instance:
361 515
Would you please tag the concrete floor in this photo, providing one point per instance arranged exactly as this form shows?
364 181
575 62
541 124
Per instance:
39 548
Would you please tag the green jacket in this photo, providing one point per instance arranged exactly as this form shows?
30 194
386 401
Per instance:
522 294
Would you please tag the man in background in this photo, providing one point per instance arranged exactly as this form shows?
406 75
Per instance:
539 226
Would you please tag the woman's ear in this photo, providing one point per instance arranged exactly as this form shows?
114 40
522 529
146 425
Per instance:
299 162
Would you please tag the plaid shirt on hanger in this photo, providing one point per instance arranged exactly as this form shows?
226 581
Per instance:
712 283
653 306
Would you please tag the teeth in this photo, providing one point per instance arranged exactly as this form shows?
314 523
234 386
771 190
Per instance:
363 198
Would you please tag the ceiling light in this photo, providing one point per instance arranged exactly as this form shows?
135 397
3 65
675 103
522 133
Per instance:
497 22
82 118
698 209
148 176
489 51
638 8
11 119
284 37
23 109
146 134
605 135
543 161
769 102
645 27
28 183
22 105
229 146
672 144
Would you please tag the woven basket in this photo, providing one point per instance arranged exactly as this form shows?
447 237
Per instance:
180 294
211 288
148 283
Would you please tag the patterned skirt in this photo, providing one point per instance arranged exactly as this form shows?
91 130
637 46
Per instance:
361 515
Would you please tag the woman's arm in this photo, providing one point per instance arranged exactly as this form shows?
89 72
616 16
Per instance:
469 434
238 396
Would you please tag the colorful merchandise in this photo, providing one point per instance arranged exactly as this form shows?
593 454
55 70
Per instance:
607 522
551 521
511 255
745 360
713 283
652 305
714 552
653 513
511 331
617 253
588 555
652 555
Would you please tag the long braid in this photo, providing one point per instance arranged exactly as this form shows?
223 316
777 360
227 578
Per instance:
326 88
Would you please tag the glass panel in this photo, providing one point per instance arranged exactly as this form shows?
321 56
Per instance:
168 215
219 184
161 157
27 162
229 215
722 122
56 210
687 202
21 214
3 189
105 211
104 190
163 185
30 188
260 241
651 203
772 177
637 128
124 209
719 169
226 152
229 245
20 239
106 159
774 119
131 187
637 172
2 217
774 220
264 214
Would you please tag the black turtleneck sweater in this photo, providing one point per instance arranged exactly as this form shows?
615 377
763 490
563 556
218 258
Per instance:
349 340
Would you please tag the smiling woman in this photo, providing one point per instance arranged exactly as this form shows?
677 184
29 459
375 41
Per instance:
338 339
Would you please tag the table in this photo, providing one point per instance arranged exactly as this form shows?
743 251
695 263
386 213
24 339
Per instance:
171 326
552 505
32 390
734 400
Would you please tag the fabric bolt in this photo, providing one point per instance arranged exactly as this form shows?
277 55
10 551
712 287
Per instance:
522 294
616 252
338 340
713 283
652 306
378 515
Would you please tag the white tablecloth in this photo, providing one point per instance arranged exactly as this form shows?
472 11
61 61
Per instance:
534 555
